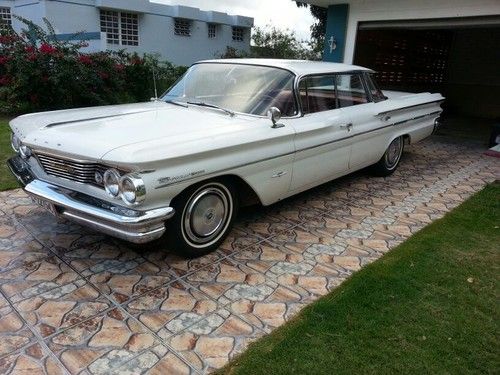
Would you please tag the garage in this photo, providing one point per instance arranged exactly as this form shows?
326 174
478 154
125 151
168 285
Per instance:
457 57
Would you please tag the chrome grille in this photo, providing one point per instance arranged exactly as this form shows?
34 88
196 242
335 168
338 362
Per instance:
79 171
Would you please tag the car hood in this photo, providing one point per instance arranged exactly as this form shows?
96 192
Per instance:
93 133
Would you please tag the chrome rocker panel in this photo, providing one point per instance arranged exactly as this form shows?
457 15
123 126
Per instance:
124 223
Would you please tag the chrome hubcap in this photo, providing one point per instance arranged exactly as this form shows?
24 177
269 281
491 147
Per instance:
393 153
206 215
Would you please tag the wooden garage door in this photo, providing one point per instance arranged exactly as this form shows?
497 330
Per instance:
406 60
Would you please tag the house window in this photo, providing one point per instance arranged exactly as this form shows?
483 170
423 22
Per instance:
110 26
130 29
212 28
121 28
238 34
5 19
182 27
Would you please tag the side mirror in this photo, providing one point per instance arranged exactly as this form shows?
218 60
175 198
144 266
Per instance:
274 114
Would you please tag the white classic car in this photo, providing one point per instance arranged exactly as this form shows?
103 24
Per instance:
227 132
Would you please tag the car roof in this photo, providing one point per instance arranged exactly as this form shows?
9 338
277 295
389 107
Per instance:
299 67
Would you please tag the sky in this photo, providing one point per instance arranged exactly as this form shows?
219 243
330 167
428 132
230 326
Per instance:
280 13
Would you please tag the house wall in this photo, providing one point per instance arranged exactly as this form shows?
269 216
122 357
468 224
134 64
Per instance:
156 26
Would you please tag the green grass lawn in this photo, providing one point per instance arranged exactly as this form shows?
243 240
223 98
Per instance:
7 181
430 306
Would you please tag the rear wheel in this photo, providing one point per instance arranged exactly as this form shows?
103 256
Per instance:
390 160
204 217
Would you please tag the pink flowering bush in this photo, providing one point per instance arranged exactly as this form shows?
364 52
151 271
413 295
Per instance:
39 72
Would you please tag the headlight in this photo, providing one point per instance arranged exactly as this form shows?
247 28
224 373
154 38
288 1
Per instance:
24 151
111 182
15 142
133 189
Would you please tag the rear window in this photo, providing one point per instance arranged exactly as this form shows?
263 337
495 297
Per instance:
350 90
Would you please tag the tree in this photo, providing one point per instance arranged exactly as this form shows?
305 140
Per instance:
271 42
318 29
275 43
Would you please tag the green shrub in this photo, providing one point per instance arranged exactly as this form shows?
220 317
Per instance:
39 72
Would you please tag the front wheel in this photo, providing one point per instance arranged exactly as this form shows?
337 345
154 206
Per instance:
390 160
204 217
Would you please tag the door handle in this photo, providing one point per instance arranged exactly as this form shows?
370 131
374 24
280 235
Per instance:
348 126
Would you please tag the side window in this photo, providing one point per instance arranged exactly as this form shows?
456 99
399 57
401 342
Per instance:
350 90
317 94
376 93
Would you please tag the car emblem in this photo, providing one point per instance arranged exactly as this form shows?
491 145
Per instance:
65 168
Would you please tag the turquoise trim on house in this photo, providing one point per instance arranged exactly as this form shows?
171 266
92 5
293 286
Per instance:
336 30
83 36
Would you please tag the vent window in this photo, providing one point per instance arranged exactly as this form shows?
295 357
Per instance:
238 33
182 27
212 30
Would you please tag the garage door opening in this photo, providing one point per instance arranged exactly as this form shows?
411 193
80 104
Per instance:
458 57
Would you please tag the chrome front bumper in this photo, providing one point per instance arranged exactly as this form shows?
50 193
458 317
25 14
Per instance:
125 223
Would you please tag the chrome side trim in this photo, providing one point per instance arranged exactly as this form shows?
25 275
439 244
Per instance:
300 150
408 106
417 117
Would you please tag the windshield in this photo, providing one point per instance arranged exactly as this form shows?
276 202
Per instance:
236 87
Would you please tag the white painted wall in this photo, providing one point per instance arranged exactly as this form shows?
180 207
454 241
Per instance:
156 26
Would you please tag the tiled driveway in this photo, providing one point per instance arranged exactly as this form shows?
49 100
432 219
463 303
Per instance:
73 301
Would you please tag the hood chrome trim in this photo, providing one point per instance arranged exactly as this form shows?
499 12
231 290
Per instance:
53 124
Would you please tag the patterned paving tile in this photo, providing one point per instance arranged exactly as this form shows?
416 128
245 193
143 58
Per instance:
109 343
35 359
172 308
76 301
248 293
14 239
265 226
55 232
62 307
180 266
31 274
117 271
213 341
14 333
305 278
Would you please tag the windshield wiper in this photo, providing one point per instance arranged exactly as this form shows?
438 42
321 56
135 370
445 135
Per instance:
209 105
180 104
